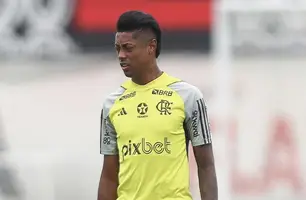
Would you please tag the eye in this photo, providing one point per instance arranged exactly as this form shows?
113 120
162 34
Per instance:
129 48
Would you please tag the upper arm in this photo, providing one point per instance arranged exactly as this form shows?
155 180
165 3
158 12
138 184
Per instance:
109 178
110 168
204 156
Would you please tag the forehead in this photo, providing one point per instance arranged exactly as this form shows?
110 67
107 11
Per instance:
124 37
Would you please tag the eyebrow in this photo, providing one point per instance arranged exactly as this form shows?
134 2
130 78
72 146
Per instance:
124 44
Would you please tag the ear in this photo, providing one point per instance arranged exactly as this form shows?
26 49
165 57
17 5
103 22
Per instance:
152 46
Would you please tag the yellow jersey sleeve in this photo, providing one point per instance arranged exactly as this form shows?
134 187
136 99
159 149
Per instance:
108 135
196 123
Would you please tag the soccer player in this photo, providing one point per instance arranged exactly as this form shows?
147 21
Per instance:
146 125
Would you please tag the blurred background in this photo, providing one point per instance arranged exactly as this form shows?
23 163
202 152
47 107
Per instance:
57 65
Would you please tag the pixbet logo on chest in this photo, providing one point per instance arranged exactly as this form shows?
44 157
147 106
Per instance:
146 147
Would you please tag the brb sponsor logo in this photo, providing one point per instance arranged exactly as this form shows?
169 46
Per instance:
162 92
146 147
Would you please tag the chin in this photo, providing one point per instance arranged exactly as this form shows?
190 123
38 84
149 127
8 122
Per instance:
128 74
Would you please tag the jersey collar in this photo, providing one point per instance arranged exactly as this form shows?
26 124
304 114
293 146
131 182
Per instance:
159 80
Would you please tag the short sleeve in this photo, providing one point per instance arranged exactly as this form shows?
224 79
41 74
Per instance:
108 138
196 122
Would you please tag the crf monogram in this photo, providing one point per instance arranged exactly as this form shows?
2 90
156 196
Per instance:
164 107
145 147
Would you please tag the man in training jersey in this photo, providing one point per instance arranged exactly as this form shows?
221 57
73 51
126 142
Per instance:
146 125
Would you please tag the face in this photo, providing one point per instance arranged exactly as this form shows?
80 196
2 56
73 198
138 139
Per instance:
134 53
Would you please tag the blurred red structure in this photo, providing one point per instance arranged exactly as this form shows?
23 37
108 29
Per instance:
172 15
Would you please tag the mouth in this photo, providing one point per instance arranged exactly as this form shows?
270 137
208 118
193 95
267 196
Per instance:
124 66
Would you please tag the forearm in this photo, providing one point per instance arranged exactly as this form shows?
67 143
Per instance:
107 189
208 183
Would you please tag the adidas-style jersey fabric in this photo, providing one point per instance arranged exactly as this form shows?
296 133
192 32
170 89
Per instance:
150 127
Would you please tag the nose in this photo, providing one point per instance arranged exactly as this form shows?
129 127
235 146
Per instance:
122 55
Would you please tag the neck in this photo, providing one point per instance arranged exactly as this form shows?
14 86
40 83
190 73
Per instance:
151 73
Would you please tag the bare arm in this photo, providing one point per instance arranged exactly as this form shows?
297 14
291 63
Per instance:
206 172
109 178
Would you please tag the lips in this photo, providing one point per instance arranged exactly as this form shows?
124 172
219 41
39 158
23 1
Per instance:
124 66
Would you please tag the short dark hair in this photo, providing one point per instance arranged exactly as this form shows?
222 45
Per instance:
136 20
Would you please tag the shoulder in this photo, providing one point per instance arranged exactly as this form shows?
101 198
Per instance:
186 90
111 98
